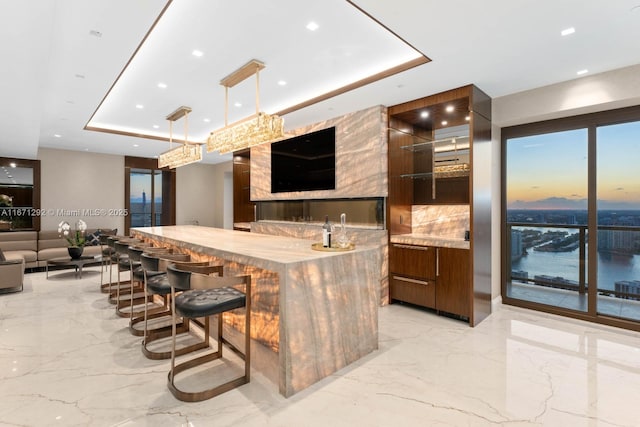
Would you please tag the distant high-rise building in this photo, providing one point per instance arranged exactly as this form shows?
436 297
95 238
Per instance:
629 287
516 245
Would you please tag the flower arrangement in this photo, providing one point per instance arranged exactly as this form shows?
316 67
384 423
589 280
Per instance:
75 238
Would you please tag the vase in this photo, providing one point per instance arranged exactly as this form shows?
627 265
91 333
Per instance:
75 252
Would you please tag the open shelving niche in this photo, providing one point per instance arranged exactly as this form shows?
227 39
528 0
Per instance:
449 155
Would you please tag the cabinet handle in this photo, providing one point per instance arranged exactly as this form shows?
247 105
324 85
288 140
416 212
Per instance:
418 248
406 279
437 262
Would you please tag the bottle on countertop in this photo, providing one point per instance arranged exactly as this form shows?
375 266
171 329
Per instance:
326 232
342 239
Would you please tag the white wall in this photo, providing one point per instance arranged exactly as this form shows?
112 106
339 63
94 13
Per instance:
600 92
200 194
76 180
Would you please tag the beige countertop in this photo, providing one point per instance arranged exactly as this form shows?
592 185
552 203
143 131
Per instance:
430 240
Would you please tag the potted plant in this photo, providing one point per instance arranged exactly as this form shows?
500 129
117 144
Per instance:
75 238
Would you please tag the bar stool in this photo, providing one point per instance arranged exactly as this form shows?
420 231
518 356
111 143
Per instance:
158 284
137 274
124 264
205 296
113 260
107 252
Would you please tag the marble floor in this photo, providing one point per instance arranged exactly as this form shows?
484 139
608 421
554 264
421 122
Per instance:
67 360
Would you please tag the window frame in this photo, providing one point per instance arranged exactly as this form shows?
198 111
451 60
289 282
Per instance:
591 122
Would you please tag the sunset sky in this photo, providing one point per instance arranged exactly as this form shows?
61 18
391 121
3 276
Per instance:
551 169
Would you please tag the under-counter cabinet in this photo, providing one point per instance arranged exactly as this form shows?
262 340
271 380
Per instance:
413 274
431 277
453 281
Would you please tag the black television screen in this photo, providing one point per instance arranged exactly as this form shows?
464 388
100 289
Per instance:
304 163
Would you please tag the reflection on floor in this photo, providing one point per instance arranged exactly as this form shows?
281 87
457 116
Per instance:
624 308
66 359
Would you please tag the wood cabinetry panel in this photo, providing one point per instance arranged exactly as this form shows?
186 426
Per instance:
419 292
242 206
412 261
453 282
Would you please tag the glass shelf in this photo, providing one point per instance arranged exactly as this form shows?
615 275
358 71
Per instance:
449 171
429 145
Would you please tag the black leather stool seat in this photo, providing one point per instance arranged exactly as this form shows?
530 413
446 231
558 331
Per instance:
158 284
125 265
108 251
207 302
138 273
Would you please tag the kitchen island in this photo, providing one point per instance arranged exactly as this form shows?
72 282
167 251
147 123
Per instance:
316 311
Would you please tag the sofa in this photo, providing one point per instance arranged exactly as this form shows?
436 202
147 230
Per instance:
11 274
37 247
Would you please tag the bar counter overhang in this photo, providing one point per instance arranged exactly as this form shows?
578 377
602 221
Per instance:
317 310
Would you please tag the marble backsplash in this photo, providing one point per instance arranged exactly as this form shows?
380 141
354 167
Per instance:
361 159
447 221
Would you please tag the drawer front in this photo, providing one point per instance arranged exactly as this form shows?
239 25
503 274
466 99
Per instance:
413 261
419 292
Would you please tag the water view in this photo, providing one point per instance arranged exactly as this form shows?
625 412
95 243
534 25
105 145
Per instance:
542 250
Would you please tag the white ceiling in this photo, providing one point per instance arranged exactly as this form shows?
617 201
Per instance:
55 74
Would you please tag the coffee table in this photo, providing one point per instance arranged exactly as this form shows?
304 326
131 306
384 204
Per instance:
70 262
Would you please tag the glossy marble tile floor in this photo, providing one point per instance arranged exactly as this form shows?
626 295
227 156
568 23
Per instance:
67 360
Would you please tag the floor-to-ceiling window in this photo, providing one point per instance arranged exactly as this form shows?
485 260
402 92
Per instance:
149 194
618 210
570 185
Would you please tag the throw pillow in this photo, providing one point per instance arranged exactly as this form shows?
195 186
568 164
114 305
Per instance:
93 239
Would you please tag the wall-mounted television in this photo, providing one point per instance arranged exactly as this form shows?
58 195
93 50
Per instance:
304 163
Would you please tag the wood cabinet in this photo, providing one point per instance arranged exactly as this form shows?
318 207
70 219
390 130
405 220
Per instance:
412 274
453 281
439 154
432 277
243 208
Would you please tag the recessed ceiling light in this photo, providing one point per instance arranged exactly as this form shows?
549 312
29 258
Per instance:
12 164
444 123
57 135
162 85
80 76
282 83
9 176
135 145
567 31
581 72
449 109
156 127
197 53
237 104
312 26
206 120
424 114
467 118
139 106
95 33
